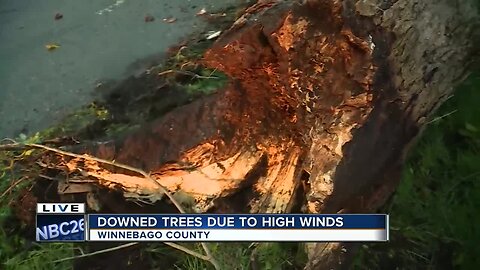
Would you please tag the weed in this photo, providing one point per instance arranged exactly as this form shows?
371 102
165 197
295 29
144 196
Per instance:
16 251
210 81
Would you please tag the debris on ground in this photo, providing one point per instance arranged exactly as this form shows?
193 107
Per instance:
51 47
203 11
216 15
213 34
170 20
149 18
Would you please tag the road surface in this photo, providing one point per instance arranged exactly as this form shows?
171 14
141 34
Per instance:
99 40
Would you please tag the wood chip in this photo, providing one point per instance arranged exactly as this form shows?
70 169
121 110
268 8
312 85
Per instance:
203 11
170 20
51 47
212 35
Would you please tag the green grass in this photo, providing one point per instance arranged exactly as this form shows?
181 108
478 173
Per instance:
435 211
212 81
241 256
39 257
17 252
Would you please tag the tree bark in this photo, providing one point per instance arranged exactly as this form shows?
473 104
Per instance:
324 101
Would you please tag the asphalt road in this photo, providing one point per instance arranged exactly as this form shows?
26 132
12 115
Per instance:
99 40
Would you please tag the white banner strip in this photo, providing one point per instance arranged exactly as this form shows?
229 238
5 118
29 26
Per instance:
248 235
60 208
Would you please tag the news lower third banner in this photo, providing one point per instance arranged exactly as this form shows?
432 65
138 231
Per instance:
251 228
61 223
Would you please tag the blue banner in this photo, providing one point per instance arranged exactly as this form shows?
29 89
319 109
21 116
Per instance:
237 221
60 228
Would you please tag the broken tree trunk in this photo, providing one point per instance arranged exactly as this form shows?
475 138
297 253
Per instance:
324 100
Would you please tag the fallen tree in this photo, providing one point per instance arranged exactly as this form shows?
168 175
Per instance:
324 100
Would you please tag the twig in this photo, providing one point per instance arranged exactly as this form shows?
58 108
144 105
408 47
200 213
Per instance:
80 249
165 72
187 64
12 147
179 52
11 187
47 177
210 257
8 139
190 252
441 117
193 74
96 252
173 245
